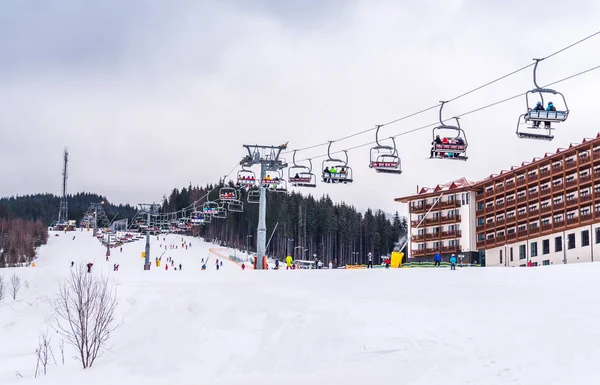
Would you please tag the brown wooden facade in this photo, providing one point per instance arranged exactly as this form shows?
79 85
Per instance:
555 193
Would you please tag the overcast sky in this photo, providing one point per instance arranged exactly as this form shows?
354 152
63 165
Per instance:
151 95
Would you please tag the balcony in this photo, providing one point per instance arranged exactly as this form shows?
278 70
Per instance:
546 227
587 217
500 206
583 160
451 234
545 191
570 165
534 213
511 219
431 221
419 208
499 189
559 206
480 244
521 200
510 186
534 230
533 195
449 204
546 209
479 212
532 178
521 216
450 219
585 198
572 202
521 182
557 169
571 183
429 236
500 238
545 174
418 238
521 233
511 236
584 180
488 193
480 227
500 223
451 249
416 253
572 221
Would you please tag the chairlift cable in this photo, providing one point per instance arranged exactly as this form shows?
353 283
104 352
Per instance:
460 115
449 100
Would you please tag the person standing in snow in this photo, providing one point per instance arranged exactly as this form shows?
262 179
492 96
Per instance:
89 267
243 266
180 266
330 265
370 261
453 262
277 264
437 260
288 262
72 263
221 263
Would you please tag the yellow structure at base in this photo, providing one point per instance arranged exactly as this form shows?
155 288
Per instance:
396 261
143 254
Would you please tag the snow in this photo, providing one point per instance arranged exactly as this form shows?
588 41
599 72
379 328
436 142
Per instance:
406 326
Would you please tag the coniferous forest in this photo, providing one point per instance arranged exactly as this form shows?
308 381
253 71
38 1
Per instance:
306 226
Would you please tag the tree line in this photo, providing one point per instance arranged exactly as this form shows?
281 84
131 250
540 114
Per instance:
19 239
306 226
45 207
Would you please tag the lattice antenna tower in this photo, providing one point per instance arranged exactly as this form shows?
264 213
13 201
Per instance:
63 211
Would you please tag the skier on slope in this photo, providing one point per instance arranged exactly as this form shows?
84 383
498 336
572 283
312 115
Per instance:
288 262
453 262
370 261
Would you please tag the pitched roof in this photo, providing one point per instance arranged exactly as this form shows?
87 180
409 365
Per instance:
457 184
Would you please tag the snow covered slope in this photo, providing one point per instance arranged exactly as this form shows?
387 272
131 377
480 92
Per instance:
412 326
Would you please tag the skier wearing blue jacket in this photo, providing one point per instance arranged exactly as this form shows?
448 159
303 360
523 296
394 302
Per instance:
437 260
453 262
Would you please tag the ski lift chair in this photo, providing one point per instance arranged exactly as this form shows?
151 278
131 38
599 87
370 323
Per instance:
301 176
246 178
227 194
253 196
210 208
236 206
456 148
385 159
537 117
342 173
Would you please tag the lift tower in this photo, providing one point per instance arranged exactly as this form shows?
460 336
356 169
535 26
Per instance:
63 211
268 159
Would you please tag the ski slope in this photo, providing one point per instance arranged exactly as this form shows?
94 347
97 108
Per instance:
407 326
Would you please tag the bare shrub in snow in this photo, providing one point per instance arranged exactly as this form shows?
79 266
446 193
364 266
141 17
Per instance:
15 285
85 309
1 287
44 352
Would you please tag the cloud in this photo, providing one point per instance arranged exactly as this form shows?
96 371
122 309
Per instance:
149 95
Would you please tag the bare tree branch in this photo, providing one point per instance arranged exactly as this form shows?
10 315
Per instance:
85 309
15 282
2 286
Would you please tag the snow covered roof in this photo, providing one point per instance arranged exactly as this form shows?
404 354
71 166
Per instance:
547 156
458 184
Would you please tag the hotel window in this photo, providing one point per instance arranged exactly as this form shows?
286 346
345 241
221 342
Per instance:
546 246
558 244
521 211
500 256
511 231
545 204
533 225
597 234
522 252
452 242
522 227
468 198
436 230
480 237
585 238
420 232
545 222
436 215
421 246
480 206
533 248
511 254
546 262
571 196
451 198
571 241
596 188
571 215
420 217
480 221
585 211
436 245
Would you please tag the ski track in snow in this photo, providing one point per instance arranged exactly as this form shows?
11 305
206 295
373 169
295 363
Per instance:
420 326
